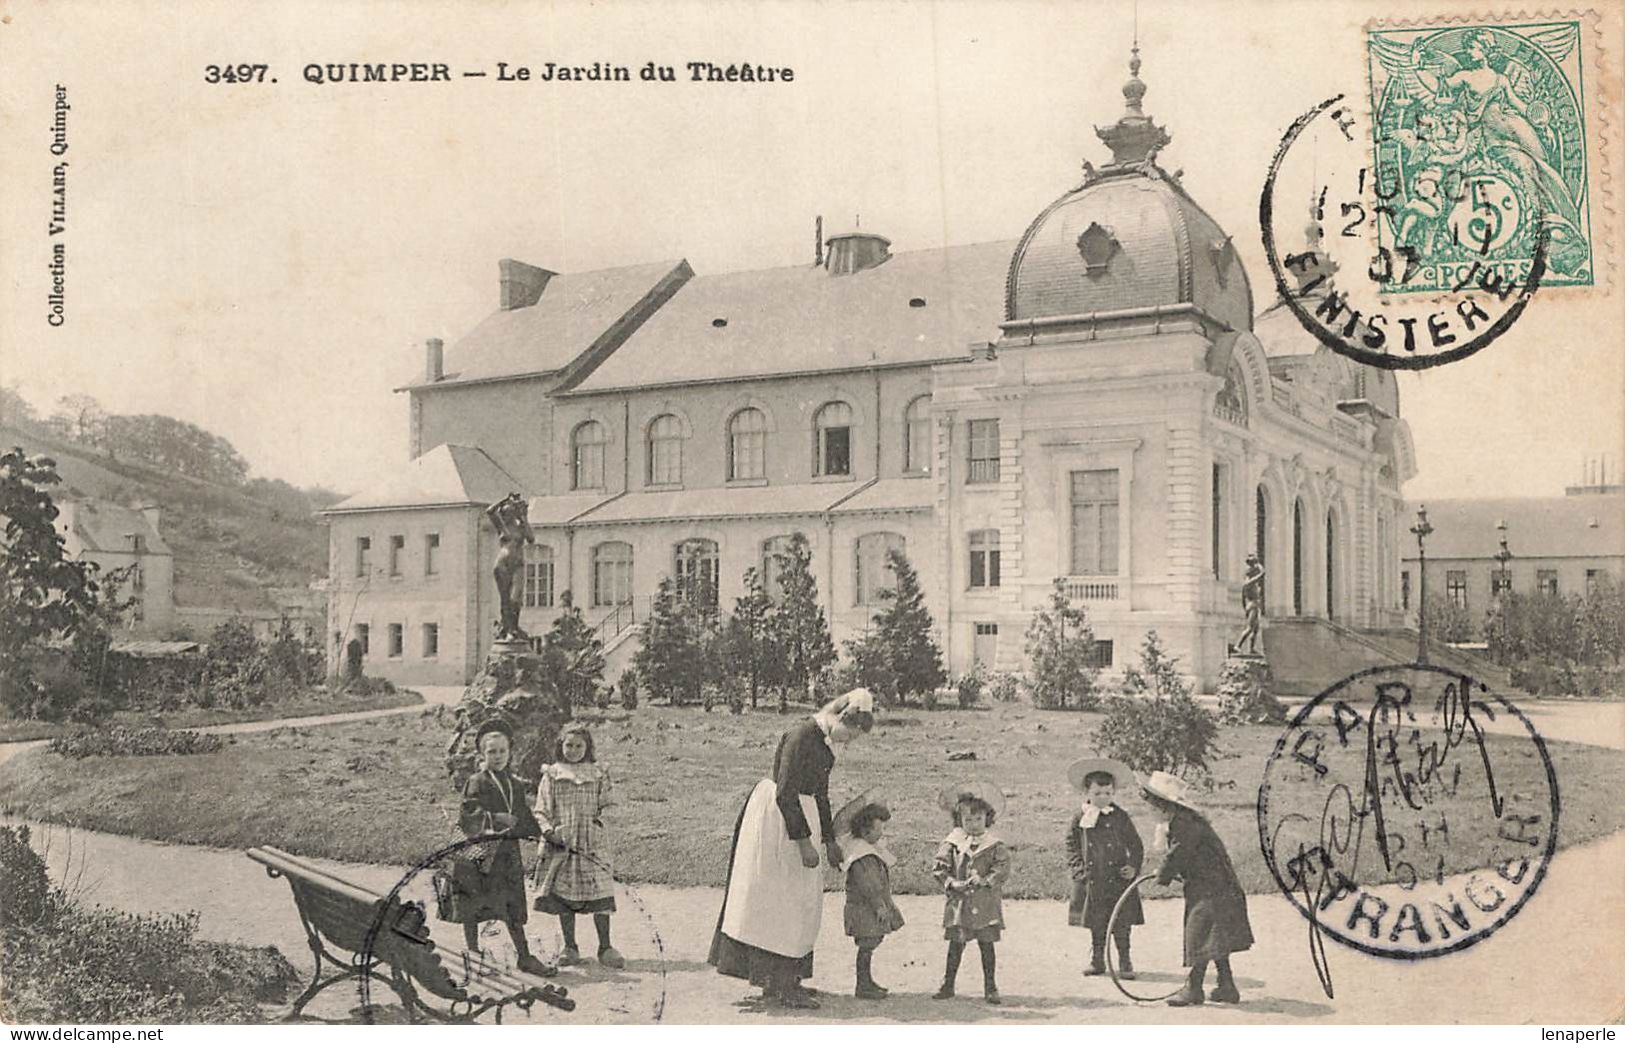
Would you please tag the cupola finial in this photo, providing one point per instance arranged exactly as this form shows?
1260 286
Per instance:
1134 138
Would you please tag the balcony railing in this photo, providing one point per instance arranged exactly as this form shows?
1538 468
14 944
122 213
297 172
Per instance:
1094 588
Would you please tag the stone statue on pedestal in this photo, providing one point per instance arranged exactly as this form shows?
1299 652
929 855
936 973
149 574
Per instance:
1252 603
510 516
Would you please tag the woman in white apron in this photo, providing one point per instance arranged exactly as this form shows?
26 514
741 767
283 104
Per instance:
773 902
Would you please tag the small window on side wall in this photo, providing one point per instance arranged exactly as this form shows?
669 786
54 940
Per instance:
832 426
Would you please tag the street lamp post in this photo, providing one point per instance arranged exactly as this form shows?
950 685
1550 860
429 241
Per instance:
1503 557
1503 598
1422 530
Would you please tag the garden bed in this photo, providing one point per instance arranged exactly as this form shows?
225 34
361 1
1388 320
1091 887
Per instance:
319 701
375 791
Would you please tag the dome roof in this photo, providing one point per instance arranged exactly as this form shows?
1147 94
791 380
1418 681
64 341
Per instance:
1128 237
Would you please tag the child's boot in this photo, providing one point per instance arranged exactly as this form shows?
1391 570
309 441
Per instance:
1191 994
866 988
990 988
1125 966
955 952
1226 991
1097 959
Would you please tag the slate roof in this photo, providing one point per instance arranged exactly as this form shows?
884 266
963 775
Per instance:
574 312
802 319
1537 527
446 476
107 526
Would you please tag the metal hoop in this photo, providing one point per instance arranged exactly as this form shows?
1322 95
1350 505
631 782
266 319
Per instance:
1111 931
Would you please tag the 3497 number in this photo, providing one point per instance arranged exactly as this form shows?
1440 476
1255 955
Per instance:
244 73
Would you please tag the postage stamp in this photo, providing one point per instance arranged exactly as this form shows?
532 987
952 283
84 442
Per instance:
1400 820
1479 134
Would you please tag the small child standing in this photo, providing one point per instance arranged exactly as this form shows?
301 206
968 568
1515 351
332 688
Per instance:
1104 852
572 875
1216 922
972 865
494 887
870 912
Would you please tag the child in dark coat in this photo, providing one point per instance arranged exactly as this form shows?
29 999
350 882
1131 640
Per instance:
1104 852
870 913
972 865
1216 922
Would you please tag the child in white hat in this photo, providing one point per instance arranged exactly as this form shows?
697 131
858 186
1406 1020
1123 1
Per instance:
972 865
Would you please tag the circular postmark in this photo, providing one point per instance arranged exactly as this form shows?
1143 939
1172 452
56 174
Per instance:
1404 264
397 943
1397 823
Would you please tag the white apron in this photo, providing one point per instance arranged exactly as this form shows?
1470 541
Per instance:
774 902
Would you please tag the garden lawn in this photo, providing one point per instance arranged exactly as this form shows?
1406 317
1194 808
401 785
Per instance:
376 791
195 717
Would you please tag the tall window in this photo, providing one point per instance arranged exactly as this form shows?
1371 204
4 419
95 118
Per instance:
538 576
397 548
696 572
611 574
431 640
397 640
587 456
984 558
1216 507
363 555
1546 581
872 576
431 554
1261 529
665 451
1331 572
772 547
917 436
1405 590
1094 523
1297 557
1455 587
747 444
832 427
363 634
984 451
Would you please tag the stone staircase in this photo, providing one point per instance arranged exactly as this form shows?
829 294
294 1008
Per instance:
1308 655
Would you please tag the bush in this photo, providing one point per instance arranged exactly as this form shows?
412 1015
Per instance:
1005 687
1155 724
135 742
25 890
971 686
628 687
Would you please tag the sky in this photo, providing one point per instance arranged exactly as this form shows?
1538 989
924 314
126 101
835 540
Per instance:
265 260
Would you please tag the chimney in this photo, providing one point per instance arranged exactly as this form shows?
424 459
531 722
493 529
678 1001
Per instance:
434 364
818 241
855 251
521 284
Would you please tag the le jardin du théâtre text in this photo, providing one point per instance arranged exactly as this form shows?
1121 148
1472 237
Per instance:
509 72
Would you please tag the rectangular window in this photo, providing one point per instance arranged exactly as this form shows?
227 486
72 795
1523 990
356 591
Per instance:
431 554
747 455
1217 507
363 556
984 558
1546 581
985 647
397 640
1455 587
611 575
538 577
1593 577
984 451
363 634
1500 583
665 461
917 447
431 640
1094 523
873 573
397 548
1100 657
1405 590
835 452
138 579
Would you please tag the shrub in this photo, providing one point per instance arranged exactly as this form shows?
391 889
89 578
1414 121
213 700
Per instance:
1155 724
971 686
1062 650
135 742
25 890
628 687
1005 687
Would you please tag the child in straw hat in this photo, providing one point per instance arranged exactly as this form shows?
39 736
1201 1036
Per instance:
870 912
1216 922
972 865
1104 852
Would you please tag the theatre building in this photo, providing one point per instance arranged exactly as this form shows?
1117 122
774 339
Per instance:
1101 400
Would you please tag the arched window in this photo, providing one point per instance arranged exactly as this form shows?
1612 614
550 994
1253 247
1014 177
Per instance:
1297 557
538 576
694 565
587 456
1331 558
917 436
1231 403
1261 528
871 574
832 432
665 450
611 574
772 549
747 444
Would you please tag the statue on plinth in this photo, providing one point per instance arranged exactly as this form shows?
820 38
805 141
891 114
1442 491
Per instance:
510 516
1252 604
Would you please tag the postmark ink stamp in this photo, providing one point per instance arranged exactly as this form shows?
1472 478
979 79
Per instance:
1397 824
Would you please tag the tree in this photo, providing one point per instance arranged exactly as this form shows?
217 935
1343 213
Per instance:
749 652
670 660
572 654
1061 648
15 410
1155 724
44 594
1449 621
898 657
87 420
799 628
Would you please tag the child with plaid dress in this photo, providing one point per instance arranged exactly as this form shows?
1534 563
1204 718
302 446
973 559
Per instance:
572 875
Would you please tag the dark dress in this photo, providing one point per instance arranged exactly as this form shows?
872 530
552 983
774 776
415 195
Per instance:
1095 856
1215 905
870 912
491 884
777 900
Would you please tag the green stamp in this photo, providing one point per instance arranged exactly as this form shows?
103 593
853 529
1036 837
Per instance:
1480 146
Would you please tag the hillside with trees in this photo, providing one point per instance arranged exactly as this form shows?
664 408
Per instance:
234 537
